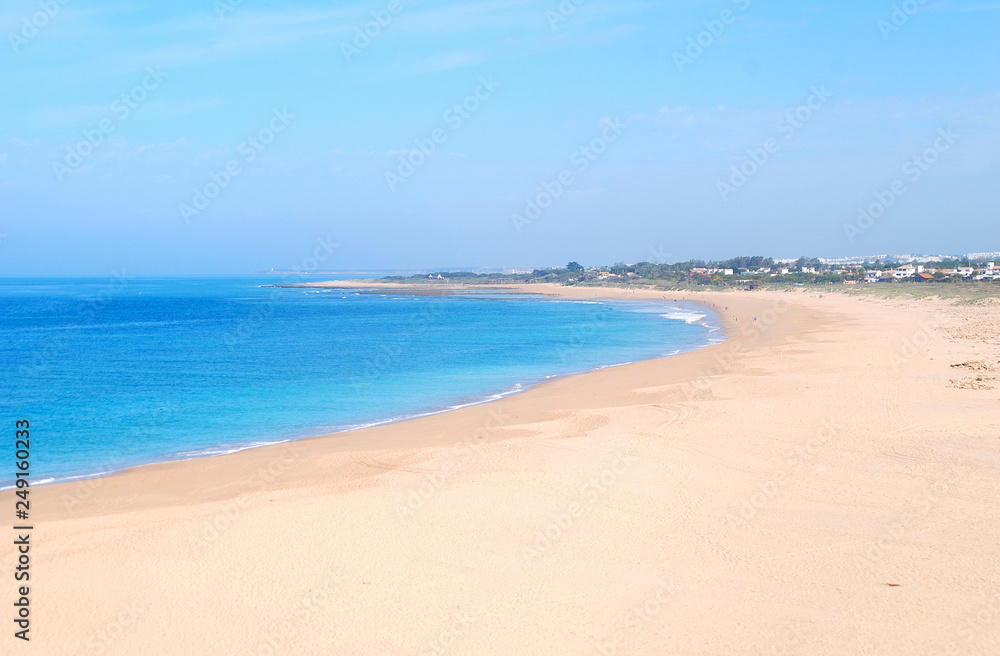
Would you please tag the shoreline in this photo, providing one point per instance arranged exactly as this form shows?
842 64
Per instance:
342 437
826 474
519 387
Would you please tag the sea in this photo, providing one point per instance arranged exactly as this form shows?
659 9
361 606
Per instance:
120 371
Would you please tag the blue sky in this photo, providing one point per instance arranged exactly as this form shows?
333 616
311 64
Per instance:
91 182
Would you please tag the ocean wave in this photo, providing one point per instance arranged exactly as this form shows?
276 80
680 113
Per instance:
64 479
688 312
316 424
121 324
687 316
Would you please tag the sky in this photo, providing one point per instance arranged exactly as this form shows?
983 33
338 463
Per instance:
235 136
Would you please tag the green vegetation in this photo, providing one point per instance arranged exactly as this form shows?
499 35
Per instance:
973 293
752 272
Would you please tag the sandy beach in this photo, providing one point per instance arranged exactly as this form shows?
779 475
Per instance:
825 481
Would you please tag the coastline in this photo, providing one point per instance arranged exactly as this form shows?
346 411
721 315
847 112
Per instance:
376 286
88 483
746 517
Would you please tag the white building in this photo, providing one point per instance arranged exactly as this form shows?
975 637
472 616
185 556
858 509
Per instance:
989 272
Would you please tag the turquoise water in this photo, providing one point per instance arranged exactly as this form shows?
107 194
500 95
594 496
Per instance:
118 372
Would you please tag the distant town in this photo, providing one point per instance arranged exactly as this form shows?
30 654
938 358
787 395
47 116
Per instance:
753 270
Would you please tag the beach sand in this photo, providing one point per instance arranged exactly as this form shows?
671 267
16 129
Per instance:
823 482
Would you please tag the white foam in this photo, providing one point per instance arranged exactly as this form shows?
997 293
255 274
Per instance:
675 313
686 316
